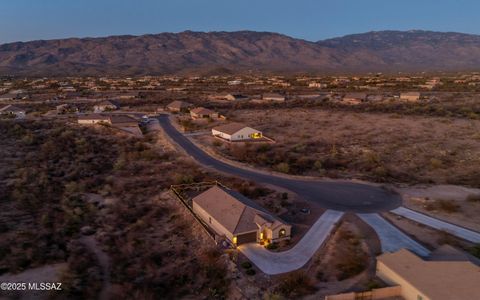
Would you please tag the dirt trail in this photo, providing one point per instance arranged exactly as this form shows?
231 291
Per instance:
103 261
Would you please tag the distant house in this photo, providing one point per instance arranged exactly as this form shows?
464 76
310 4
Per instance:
273 97
445 276
354 98
203 113
317 85
123 122
106 106
67 89
236 132
238 218
14 95
410 96
13 111
375 98
89 119
229 97
131 95
179 106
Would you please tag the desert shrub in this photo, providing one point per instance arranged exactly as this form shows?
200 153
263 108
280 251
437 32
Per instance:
83 279
250 272
271 246
216 143
295 285
183 179
282 167
355 261
475 251
474 198
448 206
436 163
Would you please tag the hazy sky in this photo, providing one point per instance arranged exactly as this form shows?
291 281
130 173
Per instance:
22 20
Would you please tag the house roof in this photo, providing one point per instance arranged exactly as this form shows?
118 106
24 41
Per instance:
202 111
179 104
11 108
117 119
410 94
273 95
114 119
230 128
361 96
93 117
440 280
235 212
108 103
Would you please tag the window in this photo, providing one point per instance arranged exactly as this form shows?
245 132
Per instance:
210 220
282 232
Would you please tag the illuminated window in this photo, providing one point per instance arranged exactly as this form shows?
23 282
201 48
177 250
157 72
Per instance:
234 240
282 232
261 235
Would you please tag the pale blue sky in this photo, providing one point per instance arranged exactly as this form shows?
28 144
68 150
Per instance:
22 20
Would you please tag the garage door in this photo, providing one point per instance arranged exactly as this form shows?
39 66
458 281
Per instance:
250 237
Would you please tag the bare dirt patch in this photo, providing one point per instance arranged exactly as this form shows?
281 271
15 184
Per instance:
454 204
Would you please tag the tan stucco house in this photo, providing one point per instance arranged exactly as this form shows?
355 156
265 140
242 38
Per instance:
123 122
203 113
410 96
237 218
236 132
179 106
445 276
106 106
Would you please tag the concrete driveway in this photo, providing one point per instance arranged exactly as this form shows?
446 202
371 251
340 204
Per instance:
455 230
330 194
286 261
391 238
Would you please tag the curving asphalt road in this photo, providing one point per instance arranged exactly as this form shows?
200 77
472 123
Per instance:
335 195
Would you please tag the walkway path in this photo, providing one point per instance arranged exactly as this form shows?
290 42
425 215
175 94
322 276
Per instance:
455 230
281 262
391 238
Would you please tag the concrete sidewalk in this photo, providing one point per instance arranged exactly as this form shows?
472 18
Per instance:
455 230
391 238
281 262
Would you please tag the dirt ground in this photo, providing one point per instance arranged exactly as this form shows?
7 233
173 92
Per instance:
353 242
369 146
464 210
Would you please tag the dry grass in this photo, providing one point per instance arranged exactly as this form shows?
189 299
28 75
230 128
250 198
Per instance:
379 147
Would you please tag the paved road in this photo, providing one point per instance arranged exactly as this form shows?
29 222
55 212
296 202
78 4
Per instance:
455 230
391 238
281 262
336 195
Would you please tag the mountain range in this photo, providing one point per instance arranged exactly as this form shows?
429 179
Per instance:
242 51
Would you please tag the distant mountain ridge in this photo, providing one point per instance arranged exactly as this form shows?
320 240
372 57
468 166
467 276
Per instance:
242 51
